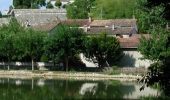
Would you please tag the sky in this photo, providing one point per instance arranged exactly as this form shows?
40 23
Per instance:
4 4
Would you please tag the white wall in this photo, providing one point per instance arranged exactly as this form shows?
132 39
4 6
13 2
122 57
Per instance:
132 58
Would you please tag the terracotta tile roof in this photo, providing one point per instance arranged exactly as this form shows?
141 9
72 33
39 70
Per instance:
79 22
131 42
110 31
45 26
117 22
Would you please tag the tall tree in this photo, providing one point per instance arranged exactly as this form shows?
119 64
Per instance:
103 50
153 3
58 3
20 4
157 49
49 5
0 14
150 16
79 9
64 43
30 43
7 39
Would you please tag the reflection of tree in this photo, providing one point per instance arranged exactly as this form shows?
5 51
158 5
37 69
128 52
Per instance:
60 89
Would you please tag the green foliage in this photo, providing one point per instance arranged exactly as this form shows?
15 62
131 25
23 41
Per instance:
111 9
79 9
155 47
49 5
103 50
7 39
17 42
150 4
149 18
21 4
64 43
58 3
0 14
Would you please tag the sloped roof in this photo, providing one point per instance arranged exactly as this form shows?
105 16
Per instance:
109 30
79 22
45 26
39 16
133 41
117 22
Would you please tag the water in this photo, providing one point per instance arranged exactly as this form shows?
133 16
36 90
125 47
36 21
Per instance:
41 89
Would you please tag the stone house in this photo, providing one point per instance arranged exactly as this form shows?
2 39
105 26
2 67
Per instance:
125 30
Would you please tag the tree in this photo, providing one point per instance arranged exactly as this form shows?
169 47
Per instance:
111 9
149 18
21 4
0 14
58 3
150 4
80 9
7 39
103 50
49 5
30 43
64 43
157 49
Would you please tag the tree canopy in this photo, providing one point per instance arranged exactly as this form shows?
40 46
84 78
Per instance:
18 42
64 43
49 5
102 50
21 4
79 9
157 47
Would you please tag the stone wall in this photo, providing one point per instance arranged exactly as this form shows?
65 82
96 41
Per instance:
4 21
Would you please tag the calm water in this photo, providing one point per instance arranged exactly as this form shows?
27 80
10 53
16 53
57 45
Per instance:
41 89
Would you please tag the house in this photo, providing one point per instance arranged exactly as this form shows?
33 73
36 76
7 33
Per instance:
125 30
132 57
122 28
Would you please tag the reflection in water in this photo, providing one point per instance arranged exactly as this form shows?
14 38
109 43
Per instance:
41 89
88 87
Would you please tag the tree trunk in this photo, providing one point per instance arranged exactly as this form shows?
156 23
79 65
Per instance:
66 63
32 63
8 64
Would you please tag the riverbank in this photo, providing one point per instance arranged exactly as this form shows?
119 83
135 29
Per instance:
25 74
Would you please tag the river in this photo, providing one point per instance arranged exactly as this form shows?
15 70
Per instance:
53 89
